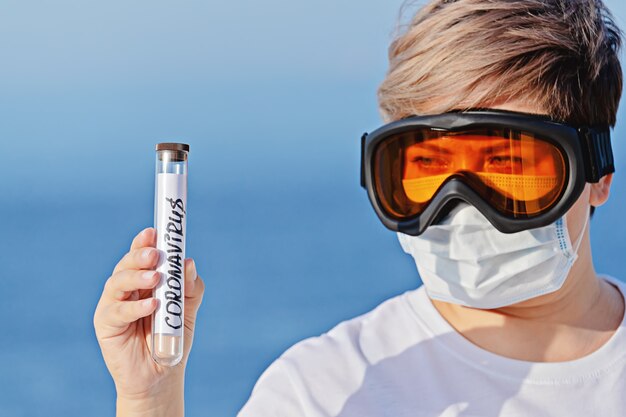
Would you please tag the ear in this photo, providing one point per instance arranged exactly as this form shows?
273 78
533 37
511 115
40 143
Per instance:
600 191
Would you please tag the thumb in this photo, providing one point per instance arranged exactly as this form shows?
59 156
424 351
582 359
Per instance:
194 291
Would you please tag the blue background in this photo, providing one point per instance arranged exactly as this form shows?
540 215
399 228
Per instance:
272 97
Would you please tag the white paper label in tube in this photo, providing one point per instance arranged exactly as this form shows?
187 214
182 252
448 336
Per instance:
171 220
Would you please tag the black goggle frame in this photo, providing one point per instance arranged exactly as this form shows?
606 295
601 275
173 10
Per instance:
587 153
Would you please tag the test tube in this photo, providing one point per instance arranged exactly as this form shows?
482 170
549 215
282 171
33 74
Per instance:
170 219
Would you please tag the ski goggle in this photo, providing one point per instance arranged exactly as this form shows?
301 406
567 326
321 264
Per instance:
521 171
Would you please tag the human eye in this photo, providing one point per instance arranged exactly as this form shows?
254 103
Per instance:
430 162
504 163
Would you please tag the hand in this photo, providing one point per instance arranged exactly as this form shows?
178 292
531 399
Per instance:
123 322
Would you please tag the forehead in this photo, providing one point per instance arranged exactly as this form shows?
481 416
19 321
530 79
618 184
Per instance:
522 106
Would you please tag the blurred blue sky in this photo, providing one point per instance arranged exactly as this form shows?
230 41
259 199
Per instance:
272 97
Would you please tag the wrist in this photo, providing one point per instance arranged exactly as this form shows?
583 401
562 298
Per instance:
166 400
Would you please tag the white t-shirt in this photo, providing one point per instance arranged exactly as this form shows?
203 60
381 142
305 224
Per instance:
404 359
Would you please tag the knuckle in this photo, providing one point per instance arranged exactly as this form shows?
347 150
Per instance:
137 254
144 260
109 284
98 330
128 258
200 284
147 283
102 317
95 319
122 264
136 237
120 311
137 307
130 310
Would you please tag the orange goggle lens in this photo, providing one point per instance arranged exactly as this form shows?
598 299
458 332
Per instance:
518 173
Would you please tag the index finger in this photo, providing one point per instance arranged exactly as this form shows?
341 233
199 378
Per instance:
147 237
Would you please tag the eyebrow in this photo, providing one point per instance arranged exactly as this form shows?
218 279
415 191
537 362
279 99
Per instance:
504 145
498 149
434 148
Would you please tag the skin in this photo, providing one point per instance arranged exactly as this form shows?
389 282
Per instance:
428 164
565 325
122 322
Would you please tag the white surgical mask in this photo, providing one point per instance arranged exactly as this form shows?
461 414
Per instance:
465 260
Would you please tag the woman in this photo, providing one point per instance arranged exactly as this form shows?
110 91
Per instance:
495 153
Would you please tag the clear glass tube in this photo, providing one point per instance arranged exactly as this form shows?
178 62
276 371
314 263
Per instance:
170 219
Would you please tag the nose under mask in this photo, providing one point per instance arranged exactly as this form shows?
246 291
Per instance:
464 259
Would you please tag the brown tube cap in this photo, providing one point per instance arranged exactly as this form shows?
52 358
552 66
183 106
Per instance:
171 146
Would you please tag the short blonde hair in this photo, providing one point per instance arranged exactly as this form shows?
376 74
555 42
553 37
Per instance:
561 55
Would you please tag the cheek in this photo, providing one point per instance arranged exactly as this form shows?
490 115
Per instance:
575 217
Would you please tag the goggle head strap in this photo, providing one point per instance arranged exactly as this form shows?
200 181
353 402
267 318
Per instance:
598 155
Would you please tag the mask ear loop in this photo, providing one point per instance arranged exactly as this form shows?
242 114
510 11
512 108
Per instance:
579 239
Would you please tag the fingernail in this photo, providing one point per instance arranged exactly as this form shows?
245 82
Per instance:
147 302
146 253
148 275
195 271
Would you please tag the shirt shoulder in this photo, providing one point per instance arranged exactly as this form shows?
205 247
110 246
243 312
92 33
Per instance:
331 366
